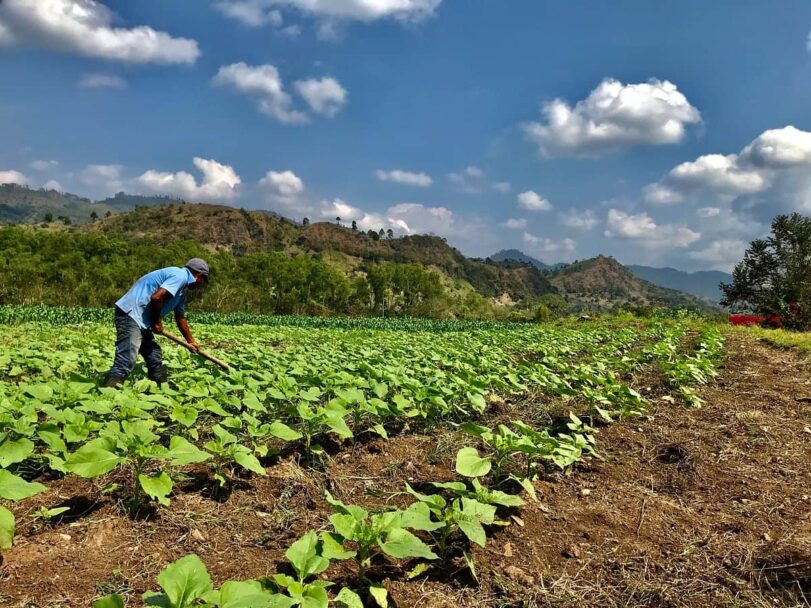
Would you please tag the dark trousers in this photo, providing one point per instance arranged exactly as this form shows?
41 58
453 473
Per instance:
130 340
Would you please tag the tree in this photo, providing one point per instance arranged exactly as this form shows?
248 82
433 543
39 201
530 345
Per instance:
354 226
338 219
305 221
381 233
108 214
774 276
94 216
390 233
49 217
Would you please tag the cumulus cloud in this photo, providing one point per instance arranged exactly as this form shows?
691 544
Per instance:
474 180
101 81
364 10
252 13
708 212
13 177
771 175
543 245
644 230
284 192
406 178
578 220
44 165
219 184
721 254
52 184
325 96
102 179
264 84
85 27
612 117
533 201
515 223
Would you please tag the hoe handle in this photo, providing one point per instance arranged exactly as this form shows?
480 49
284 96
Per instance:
204 355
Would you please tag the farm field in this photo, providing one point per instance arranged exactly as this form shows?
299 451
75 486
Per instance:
405 463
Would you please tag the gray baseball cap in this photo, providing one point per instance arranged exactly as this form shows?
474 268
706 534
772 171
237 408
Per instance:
199 265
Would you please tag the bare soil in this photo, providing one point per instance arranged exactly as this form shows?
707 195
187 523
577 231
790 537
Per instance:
704 507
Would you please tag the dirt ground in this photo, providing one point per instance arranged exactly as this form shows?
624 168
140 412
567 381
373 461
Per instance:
705 507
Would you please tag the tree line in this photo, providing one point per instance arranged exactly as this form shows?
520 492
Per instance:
71 268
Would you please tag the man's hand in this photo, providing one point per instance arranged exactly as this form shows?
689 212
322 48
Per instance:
157 327
193 346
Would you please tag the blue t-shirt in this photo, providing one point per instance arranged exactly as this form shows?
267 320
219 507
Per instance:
172 279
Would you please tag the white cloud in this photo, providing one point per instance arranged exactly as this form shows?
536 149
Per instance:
771 175
612 117
515 223
545 245
364 10
325 96
102 179
659 194
722 254
13 177
474 180
643 229
85 27
52 184
533 201
101 81
707 212
44 165
264 84
284 183
252 13
579 220
406 178
219 183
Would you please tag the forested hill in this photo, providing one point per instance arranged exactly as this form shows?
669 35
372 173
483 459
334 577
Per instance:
22 205
240 231
603 282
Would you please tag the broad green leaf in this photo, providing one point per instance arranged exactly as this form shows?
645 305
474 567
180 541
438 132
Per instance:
348 599
380 595
42 392
94 458
17 488
109 601
470 464
401 543
157 487
474 531
248 461
14 451
477 401
418 517
303 555
356 512
185 415
333 548
184 581
6 528
249 594
284 432
182 452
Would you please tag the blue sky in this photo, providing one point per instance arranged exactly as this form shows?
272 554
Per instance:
663 133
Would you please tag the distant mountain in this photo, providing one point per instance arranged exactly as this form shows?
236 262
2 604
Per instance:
602 283
22 205
703 283
514 255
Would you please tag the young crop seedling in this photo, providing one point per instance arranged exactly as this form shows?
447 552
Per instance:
368 535
227 452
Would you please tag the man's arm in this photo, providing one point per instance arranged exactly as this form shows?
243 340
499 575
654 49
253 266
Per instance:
183 326
155 307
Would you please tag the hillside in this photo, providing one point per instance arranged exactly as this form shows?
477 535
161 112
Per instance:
602 283
241 231
703 283
514 255
22 205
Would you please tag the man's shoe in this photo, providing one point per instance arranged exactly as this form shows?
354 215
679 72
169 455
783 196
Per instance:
159 374
112 381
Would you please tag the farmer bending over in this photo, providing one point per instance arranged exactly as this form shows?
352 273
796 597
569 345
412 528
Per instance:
139 314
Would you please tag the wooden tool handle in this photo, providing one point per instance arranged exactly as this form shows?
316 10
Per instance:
204 355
